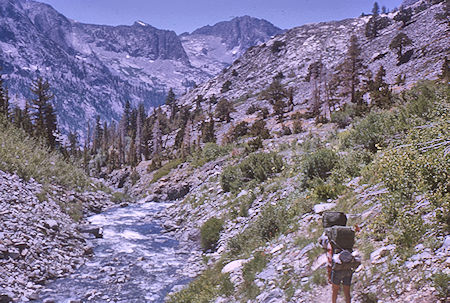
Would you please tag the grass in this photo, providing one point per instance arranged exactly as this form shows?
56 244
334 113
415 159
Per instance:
166 169
29 158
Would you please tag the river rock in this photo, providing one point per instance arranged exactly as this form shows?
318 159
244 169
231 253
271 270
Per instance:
96 231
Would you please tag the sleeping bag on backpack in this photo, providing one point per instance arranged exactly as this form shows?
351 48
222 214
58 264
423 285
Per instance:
333 218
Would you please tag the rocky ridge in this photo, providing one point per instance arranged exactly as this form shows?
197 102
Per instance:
38 241
293 52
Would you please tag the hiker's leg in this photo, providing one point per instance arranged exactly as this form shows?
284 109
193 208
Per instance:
329 274
334 292
347 293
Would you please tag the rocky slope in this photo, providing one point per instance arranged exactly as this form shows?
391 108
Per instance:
94 69
38 241
293 52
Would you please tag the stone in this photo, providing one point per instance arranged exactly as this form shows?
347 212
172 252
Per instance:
96 231
446 244
378 255
51 224
233 266
277 248
320 208
5 298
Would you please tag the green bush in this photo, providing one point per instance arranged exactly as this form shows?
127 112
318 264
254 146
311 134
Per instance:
342 118
209 152
257 166
372 132
320 163
441 282
210 233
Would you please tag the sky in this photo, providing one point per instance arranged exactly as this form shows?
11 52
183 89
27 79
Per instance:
188 15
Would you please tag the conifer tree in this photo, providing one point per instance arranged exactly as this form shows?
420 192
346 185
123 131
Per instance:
351 69
399 42
375 9
171 102
404 15
4 98
98 134
381 93
208 134
43 113
223 110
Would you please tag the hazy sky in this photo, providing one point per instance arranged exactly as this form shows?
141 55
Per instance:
188 15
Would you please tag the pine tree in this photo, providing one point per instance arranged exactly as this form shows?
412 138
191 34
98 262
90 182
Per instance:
50 125
4 98
223 110
351 69
375 9
43 113
381 94
399 42
404 15
208 134
157 138
98 134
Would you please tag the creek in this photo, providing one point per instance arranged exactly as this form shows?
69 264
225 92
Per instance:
133 262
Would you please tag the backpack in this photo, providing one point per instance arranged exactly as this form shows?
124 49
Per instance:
342 239
333 218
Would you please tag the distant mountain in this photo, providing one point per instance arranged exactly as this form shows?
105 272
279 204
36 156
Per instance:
94 69
212 48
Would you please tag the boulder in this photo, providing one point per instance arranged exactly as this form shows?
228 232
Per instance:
92 230
51 224
233 266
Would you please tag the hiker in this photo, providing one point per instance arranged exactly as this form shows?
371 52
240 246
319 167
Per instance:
338 241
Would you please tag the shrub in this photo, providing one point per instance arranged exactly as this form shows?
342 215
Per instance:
260 166
341 118
210 233
441 282
230 179
253 145
257 166
259 129
239 130
249 271
252 109
320 163
324 191
209 152
297 127
277 46
372 131
209 285
226 86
